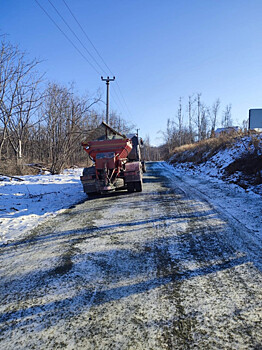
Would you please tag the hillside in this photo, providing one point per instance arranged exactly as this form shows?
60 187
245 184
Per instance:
234 159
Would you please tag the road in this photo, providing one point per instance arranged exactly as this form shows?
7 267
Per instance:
161 269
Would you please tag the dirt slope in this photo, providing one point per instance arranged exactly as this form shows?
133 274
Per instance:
236 159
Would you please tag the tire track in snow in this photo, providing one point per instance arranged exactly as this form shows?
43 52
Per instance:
159 269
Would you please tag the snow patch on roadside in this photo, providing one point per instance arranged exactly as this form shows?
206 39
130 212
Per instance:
216 165
243 206
25 204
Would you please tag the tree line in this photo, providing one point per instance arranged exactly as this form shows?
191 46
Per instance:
194 121
43 122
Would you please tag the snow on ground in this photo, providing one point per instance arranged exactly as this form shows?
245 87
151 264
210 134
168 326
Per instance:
244 207
216 165
25 204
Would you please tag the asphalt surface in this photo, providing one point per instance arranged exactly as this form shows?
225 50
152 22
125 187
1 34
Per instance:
161 269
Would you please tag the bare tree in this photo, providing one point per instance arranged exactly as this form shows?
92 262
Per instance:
28 99
214 115
8 57
180 121
198 117
19 95
43 126
66 118
170 135
201 120
120 124
145 151
227 118
190 117
204 122
149 152
245 125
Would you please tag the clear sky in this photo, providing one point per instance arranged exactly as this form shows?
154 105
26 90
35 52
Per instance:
158 50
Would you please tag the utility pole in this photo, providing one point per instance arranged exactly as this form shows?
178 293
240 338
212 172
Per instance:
107 80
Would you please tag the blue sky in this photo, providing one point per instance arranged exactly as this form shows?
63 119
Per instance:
158 50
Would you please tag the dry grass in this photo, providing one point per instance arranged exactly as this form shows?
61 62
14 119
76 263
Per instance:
245 170
10 167
201 151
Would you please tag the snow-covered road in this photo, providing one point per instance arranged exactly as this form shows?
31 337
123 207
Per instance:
177 266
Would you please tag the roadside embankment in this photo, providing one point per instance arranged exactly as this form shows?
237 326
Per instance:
232 158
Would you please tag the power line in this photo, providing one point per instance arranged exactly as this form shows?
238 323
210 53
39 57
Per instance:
71 42
118 99
84 32
77 49
123 98
87 37
116 102
75 35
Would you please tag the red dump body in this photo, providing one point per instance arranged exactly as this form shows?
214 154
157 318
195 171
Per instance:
120 147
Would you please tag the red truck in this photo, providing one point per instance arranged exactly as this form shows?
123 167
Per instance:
117 163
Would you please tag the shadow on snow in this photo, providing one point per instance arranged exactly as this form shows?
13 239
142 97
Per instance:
155 263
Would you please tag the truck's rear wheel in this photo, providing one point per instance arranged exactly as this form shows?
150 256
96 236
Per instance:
138 186
130 187
93 195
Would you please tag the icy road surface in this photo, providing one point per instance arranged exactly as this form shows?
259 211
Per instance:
167 268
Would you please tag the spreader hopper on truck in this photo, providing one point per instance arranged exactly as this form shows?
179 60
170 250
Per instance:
116 162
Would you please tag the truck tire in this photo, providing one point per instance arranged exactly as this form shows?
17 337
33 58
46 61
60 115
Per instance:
130 187
89 171
93 195
138 186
